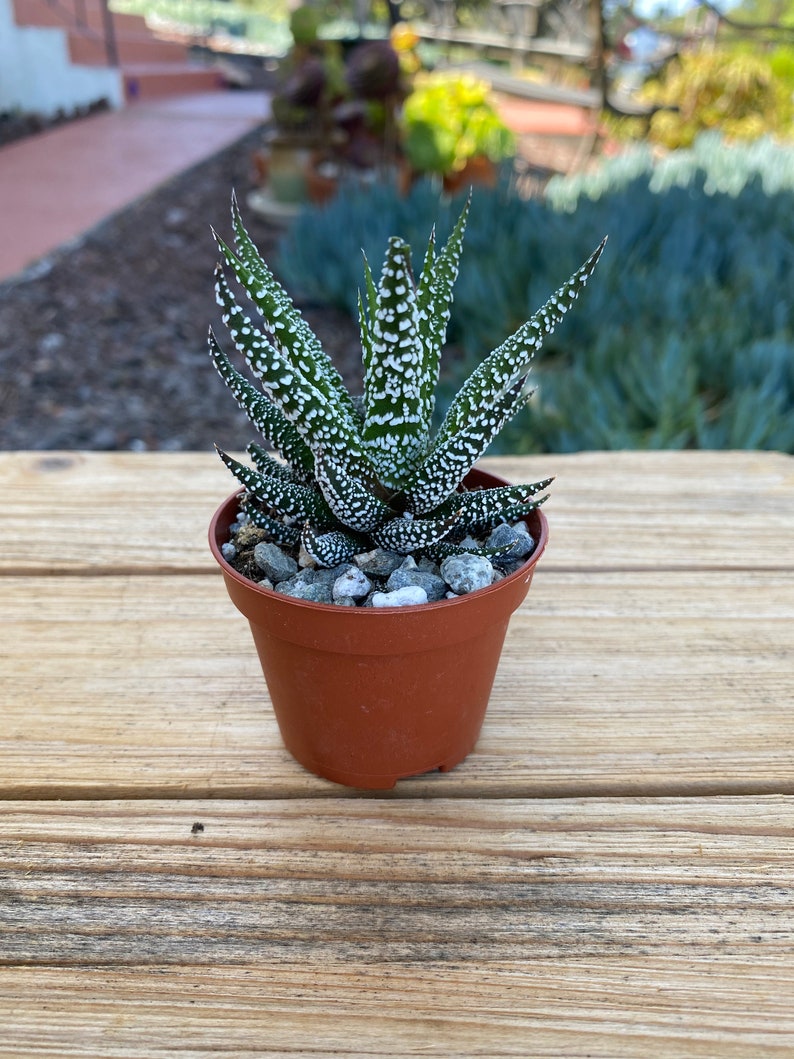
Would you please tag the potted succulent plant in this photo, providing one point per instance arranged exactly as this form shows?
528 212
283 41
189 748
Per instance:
332 114
451 128
378 568
311 80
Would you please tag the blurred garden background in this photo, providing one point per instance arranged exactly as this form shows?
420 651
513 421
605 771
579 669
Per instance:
381 116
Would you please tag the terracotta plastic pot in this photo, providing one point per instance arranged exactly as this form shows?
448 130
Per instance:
368 696
479 169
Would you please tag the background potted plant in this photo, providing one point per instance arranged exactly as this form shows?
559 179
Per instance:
451 128
333 112
378 568
311 80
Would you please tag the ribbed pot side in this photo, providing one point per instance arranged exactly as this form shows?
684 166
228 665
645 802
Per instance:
366 696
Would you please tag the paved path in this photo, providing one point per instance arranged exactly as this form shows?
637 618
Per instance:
57 185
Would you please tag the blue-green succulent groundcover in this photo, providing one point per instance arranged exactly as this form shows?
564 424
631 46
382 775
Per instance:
685 338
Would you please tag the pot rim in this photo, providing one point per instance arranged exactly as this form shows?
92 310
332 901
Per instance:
419 608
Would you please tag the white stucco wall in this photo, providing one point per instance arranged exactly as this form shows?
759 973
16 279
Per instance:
36 75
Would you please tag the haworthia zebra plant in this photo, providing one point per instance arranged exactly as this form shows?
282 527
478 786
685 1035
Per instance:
365 472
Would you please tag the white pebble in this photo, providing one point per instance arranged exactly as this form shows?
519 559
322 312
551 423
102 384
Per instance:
352 583
410 596
467 573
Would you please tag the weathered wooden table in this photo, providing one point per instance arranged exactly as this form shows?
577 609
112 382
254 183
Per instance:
609 874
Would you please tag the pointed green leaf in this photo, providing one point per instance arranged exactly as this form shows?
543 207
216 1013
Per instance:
444 549
443 470
485 507
330 549
284 323
434 300
392 387
405 535
350 500
284 498
264 415
509 364
366 314
278 532
366 337
513 514
265 463
319 422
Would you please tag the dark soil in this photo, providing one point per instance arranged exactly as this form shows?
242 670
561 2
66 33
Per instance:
103 344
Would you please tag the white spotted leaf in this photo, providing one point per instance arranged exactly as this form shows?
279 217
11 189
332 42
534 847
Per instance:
280 496
350 500
392 381
509 364
264 415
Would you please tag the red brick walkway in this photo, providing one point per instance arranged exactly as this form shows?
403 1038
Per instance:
59 184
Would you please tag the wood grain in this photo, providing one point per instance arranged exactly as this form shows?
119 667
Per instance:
609 873
150 511
610 683
609 1008
384 881
570 927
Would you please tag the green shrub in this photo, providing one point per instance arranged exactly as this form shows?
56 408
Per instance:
687 340
449 118
738 92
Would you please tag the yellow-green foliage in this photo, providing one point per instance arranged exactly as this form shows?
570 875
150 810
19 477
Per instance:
447 119
735 92
781 61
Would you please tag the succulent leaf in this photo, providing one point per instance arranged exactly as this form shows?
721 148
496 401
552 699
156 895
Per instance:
393 372
264 415
513 514
320 424
434 298
282 320
349 499
330 549
285 498
443 549
485 507
366 314
282 333
405 535
443 470
278 532
265 463
510 362
366 337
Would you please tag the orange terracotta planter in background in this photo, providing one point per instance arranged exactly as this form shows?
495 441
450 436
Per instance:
368 696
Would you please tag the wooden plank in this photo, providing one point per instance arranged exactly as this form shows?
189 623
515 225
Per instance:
669 921
610 683
92 511
462 880
112 512
691 1008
